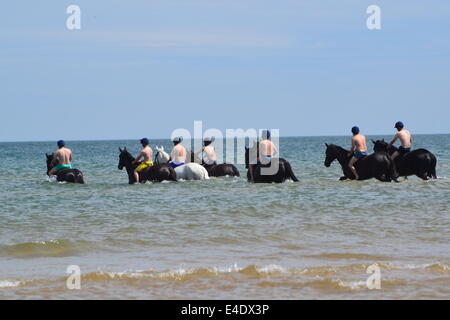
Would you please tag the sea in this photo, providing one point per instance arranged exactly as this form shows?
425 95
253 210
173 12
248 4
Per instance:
222 238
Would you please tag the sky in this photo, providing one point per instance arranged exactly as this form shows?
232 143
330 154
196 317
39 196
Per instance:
144 68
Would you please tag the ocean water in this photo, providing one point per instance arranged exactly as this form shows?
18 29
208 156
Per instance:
223 238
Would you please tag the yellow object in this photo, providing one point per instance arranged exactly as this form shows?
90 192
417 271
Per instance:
144 165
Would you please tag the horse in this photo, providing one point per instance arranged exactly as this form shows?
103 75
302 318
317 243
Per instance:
377 165
188 171
217 170
283 173
67 175
419 162
155 173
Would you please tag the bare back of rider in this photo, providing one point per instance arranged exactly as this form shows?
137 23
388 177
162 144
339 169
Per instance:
358 150
61 160
405 143
178 156
209 156
267 150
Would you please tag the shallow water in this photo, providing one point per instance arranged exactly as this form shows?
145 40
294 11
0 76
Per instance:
221 238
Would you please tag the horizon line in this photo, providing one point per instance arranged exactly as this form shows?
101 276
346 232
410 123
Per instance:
288 136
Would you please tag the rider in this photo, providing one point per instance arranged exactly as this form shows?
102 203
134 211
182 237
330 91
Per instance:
62 158
405 139
267 148
359 149
209 157
147 154
178 155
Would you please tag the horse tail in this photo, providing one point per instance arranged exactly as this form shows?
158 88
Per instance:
236 172
289 172
432 168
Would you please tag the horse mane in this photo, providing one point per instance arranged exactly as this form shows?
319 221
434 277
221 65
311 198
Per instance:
339 148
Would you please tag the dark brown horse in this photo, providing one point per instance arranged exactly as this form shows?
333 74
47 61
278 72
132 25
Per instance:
217 170
256 172
67 175
419 162
377 165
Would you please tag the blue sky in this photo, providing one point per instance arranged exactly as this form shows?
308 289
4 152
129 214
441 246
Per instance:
145 68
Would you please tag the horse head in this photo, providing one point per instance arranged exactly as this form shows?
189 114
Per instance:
161 156
380 146
49 161
251 153
125 158
330 154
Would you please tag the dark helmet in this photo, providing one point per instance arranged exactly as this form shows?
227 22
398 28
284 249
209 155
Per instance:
399 125
355 130
177 139
61 143
266 134
145 141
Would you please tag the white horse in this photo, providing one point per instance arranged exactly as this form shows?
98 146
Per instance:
188 171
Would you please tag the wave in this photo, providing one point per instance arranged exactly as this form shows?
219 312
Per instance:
9 284
50 248
322 278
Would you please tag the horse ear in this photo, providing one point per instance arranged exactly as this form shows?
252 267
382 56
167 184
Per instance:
382 140
326 144
125 149
373 141
120 150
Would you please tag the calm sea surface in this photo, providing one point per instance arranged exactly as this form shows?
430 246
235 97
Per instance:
223 238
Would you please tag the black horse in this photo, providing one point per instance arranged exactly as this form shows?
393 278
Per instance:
67 175
158 172
217 170
283 173
419 162
378 165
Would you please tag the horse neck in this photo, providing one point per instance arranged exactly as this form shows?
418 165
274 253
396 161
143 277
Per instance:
129 164
391 149
342 155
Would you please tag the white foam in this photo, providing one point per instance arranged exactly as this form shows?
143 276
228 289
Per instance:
352 284
9 284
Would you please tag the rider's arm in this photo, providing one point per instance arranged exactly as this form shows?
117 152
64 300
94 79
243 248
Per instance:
70 157
199 151
275 150
353 146
139 157
393 140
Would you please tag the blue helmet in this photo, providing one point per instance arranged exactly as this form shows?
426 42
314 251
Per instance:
266 134
355 130
399 124
209 139
145 141
61 143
